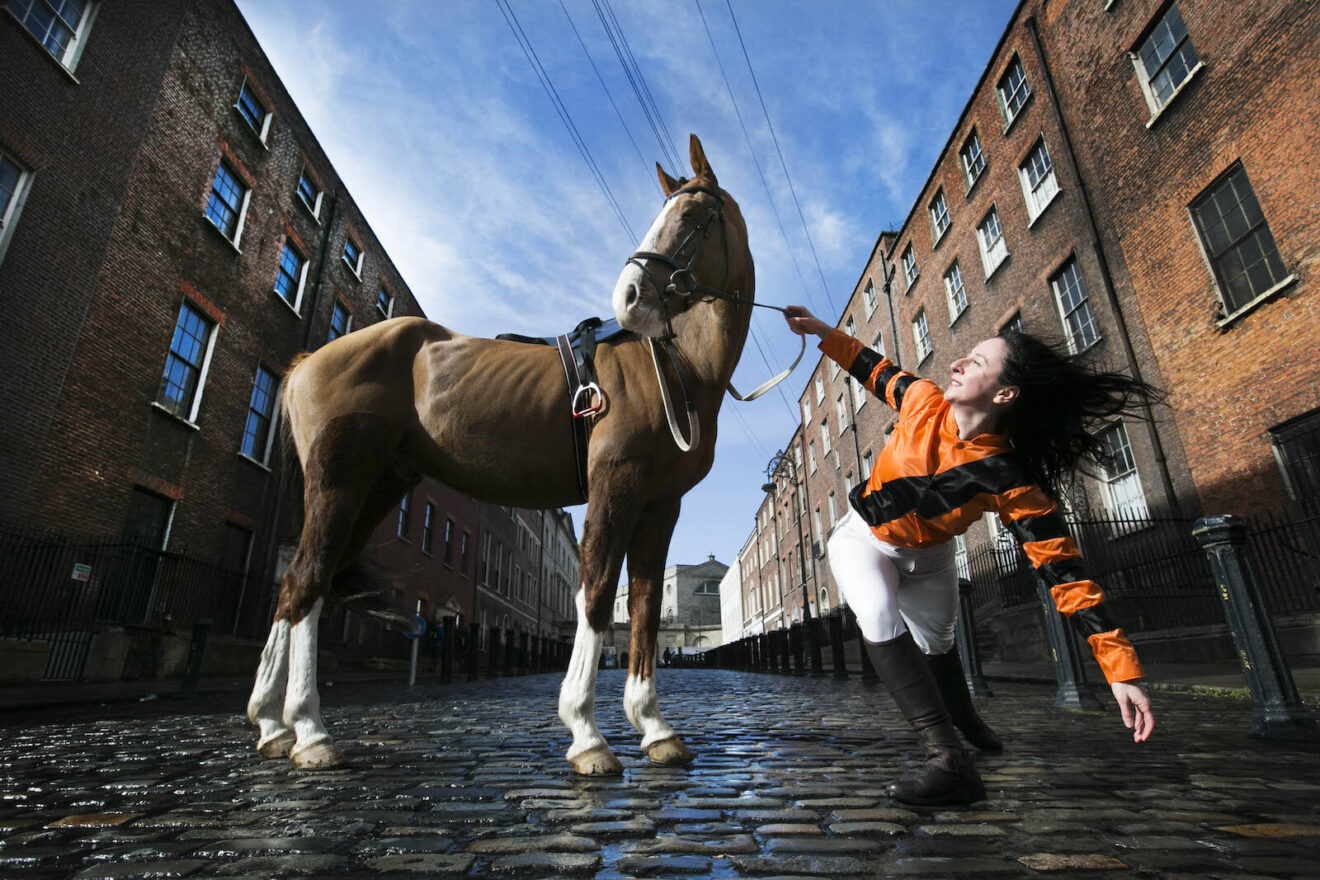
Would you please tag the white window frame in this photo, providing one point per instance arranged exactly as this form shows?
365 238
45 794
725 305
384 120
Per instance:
960 562
1122 493
212 332
955 294
1024 88
361 253
242 209
1144 76
274 428
267 114
18 198
388 311
910 271
315 208
834 513
850 327
921 336
806 411
879 346
869 299
72 51
1046 189
825 434
939 211
841 409
815 523
300 281
348 325
868 462
970 157
859 394
820 389
995 249
811 455
1060 284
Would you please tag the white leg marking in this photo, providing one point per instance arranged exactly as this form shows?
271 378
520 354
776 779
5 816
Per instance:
302 702
266 705
643 710
577 695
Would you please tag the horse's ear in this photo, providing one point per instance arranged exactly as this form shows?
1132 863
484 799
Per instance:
700 165
667 183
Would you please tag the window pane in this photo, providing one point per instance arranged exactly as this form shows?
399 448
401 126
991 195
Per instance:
1241 247
183 366
251 109
226 200
338 321
9 175
286 278
261 409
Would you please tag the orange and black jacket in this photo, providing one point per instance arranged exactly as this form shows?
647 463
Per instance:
929 485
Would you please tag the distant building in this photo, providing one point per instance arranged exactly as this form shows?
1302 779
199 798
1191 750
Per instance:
689 608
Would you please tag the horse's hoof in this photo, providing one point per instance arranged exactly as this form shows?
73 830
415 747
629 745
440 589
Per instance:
669 751
599 761
323 755
278 746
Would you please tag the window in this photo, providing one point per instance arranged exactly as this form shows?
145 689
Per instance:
834 513
1074 308
1122 484
909 266
14 184
257 435
954 292
806 412
428 527
252 109
228 202
463 542
847 483
1039 186
858 393
449 541
850 327
1297 450
341 321
1013 91
404 515
820 389
825 435
186 366
149 518
879 344
353 256
868 298
1015 323
384 302
1166 59
59 25
939 215
841 410
973 160
960 557
990 241
868 462
309 193
811 456
815 525
290 275
1238 241
921 336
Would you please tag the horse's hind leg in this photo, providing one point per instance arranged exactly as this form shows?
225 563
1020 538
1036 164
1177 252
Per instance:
604 536
646 564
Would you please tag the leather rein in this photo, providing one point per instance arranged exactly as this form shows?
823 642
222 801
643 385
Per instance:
683 282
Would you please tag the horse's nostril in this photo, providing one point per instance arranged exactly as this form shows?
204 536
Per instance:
634 292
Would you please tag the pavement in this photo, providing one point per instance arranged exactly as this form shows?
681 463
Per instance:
469 780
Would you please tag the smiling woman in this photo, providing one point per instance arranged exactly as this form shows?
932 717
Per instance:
1002 437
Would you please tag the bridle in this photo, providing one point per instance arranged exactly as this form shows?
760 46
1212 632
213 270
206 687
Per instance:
684 283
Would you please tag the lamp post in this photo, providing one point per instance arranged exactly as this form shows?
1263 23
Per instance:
778 460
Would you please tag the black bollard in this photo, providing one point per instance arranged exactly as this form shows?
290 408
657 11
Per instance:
450 629
1276 710
510 652
795 647
1074 690
836 646
474 632
192 670
524 653
965 636
494 653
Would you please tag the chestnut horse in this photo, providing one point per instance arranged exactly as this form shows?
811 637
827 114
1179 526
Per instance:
373 411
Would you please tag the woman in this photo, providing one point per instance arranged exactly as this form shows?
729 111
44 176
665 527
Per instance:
1004 435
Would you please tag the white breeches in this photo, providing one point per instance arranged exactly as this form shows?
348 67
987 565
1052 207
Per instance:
894 590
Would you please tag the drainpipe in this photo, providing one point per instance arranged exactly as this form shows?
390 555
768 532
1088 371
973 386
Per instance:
1160 458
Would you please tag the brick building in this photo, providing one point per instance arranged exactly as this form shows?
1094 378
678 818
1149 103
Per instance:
172 236
1124 178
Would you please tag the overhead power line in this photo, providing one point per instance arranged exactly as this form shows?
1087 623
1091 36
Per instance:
634 76
782 163
543 76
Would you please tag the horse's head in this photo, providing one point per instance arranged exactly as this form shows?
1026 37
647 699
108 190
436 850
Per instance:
695 249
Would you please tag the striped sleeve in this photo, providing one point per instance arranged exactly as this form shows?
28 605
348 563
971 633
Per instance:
1036 522
875 371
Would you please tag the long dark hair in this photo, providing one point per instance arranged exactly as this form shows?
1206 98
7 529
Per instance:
1062 399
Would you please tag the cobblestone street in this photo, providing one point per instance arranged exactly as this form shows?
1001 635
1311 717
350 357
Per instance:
469 780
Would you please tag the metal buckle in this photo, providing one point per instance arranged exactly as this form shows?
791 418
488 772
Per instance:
591 408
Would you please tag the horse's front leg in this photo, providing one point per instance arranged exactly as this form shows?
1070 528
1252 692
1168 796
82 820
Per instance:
604 536
266 705
646 565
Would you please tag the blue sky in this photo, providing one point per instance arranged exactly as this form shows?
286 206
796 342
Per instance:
445 137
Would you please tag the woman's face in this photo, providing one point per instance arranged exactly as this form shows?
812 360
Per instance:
974 379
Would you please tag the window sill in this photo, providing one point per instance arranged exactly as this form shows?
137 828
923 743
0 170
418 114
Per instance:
252 461
1041 213
1087 348
1228 321
921 361
44 51
911 284
958 317
220 232
1022 111
941 236
284 302
247 123
996 267
309 209
971 187
1191 75
178 418
357 273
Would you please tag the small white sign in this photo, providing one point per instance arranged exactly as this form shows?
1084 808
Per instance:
82 571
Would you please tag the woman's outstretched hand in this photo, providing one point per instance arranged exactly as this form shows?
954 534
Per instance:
1135 706
802 322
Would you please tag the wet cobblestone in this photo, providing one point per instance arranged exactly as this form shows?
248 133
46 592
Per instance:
469 780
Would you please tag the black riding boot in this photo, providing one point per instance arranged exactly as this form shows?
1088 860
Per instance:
948 776
948 672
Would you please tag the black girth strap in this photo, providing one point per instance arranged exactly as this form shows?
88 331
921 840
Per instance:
569 359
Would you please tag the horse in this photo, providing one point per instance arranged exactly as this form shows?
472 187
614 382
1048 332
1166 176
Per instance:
374 410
